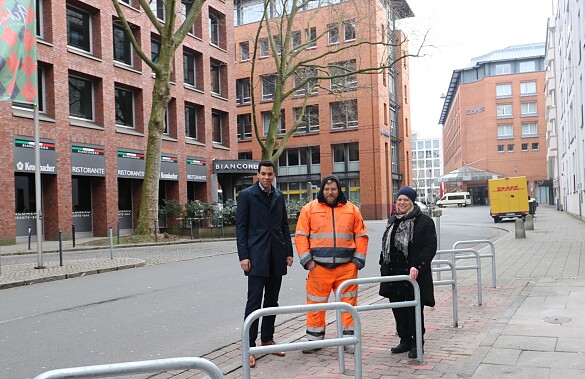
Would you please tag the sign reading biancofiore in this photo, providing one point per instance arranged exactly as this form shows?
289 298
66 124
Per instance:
131 164
24 155
196 170
169 167
87 160
240 166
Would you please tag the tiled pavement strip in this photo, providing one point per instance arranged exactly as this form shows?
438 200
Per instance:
519 332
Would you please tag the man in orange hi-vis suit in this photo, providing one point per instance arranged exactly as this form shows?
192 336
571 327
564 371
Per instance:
332 242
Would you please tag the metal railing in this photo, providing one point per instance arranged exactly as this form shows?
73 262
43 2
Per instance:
139 367
492 254
458 254
371 307
452 282
356 339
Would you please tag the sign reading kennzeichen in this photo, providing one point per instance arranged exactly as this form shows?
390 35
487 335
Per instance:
169 167
131 164
88 160
24 155
240 166
196 170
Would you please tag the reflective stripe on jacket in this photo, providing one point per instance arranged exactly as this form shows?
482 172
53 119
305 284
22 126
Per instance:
331 236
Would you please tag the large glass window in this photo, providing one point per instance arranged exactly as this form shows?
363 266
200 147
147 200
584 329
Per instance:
216 78
310 86
78 29
527 66
263 47
505 131
310 120
244 51
158 8
504 111
214 29
190 121
154 49
189 70
40 92
185 8
268 86
528 109
243 95
124 107
349 30
80 98
528 88
344 114
217 127
503 68
122 46
333 33
311 34
529 129
296 39
244 126
503 90
266 117
343 75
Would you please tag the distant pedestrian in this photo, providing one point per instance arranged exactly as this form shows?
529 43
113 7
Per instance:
409 245
264 248
332 242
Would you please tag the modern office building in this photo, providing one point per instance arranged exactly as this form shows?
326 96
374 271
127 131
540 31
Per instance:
356 127
493 119
427 167
95 100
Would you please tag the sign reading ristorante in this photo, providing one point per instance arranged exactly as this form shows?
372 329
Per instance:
130 164
196 170
24 155
87 160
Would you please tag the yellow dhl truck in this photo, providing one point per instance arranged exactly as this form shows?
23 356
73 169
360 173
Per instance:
508 198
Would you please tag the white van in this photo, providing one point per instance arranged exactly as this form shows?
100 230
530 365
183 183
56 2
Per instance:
461 199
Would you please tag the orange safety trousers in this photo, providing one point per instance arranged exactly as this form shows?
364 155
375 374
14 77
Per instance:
320 282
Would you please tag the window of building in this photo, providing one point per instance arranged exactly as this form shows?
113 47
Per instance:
349 30
244 51
189 69
528 88
158 8
40 19
185 8
263 43
268 86
346 155
154 49
41 88
217 78
310 120
122 46
244 155
215 29
216 127
500 148
243 94
510 148
503 68
296 39
266 117
277 44
81 98
124 103
343 75
311 34
503 90
310 85
505 131
528 109
333 33
244 126
78 29
524 147
529 129
344 114
191 121
535 146
504 110
527 66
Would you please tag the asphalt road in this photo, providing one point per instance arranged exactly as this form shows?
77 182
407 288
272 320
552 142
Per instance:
184 308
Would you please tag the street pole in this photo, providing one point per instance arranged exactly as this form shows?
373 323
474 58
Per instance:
38 188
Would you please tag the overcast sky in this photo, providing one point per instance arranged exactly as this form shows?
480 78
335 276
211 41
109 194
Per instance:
459 30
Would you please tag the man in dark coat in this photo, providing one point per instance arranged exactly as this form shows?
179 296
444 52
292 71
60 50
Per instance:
264 248
409 245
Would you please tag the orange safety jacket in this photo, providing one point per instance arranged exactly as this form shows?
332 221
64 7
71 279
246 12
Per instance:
331 236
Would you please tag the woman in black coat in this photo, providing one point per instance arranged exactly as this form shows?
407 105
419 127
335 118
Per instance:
408 247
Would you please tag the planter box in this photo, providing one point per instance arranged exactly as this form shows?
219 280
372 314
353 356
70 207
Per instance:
205 232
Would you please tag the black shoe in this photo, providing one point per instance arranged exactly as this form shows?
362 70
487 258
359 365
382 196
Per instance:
412 352
311 351
404 346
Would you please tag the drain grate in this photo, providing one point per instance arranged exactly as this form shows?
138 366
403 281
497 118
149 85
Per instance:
557 320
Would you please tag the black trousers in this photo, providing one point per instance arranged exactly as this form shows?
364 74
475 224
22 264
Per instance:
405 321
269 287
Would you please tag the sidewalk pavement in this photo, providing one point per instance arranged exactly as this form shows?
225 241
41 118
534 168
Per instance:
530 326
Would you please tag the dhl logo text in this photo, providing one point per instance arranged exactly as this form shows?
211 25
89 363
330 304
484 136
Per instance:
507 188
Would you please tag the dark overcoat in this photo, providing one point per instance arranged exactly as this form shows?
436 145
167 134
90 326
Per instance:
421 251
262 230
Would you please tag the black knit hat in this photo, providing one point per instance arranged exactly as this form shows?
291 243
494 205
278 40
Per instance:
408 192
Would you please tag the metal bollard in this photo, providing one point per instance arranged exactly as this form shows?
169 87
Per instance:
155 231
60 249
73 233
111 244
529 222
118 231
519 228
29 235
191 227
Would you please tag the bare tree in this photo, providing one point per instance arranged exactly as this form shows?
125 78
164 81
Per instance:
172 33
298 70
